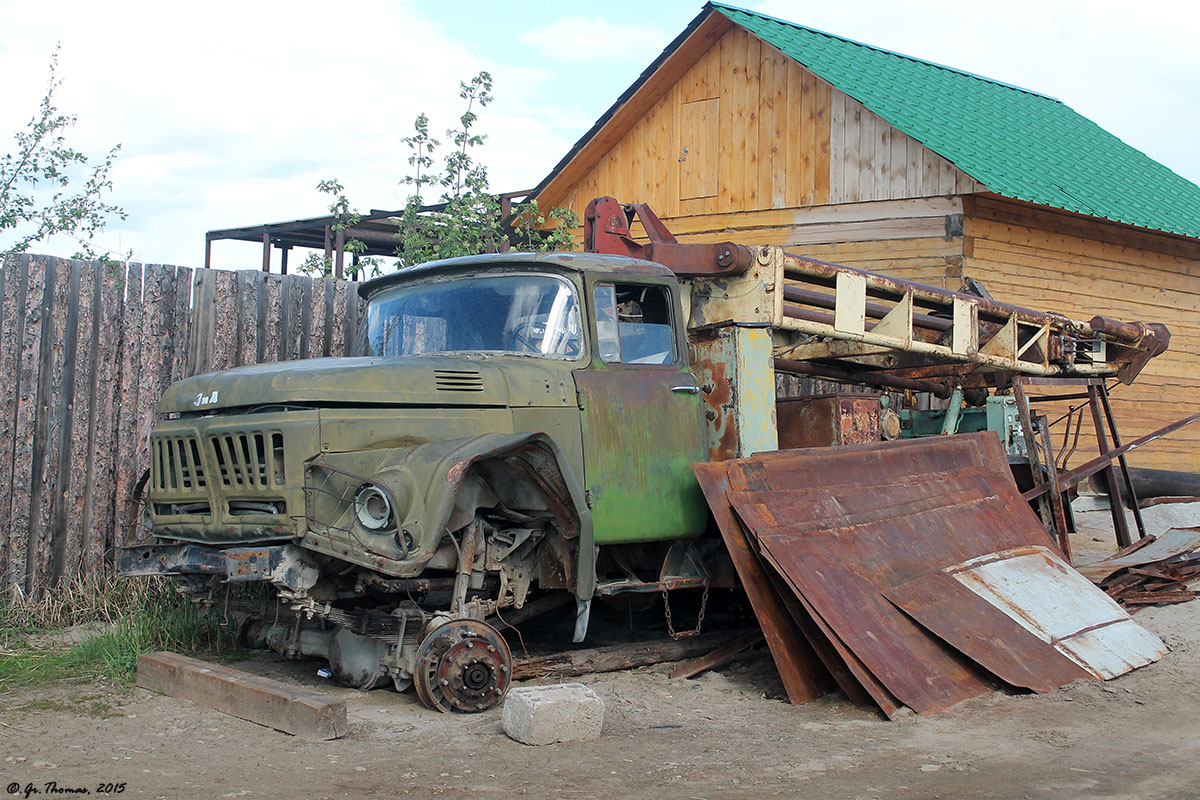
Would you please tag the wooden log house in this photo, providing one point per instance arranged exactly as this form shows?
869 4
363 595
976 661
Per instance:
760 131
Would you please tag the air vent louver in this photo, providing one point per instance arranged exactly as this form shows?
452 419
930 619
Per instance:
457 380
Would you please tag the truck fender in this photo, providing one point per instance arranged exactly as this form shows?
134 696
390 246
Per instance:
512 465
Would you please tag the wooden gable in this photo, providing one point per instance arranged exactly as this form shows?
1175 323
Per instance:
728 139
730 124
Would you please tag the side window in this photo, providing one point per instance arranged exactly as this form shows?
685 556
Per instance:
633 324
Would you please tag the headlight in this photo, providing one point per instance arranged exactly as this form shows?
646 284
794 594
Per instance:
372 508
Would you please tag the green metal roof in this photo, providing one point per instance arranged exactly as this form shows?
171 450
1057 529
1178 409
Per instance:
1017 143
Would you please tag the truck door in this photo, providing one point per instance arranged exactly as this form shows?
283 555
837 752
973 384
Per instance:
642 418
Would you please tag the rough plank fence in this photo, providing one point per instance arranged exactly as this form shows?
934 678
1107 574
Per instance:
86 349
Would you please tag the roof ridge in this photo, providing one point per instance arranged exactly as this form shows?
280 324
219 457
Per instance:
727 7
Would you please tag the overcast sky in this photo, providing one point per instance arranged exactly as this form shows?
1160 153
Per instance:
229 113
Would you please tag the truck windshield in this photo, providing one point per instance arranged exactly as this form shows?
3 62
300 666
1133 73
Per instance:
536 314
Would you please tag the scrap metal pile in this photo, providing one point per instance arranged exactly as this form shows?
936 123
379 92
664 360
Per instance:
1153 570
912 574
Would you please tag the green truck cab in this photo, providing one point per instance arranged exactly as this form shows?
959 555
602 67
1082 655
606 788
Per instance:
511 419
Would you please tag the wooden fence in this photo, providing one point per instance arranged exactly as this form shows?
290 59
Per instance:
86 349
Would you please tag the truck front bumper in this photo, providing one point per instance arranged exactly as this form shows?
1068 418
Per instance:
233 563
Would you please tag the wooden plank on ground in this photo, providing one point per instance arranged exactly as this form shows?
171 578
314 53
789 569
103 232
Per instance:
573 663
267 702
719 657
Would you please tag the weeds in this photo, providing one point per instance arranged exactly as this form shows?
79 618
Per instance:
130 616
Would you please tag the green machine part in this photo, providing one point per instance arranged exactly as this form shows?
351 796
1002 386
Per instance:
998 414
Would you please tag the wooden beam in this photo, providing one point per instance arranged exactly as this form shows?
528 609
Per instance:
267 702
718 657
615 657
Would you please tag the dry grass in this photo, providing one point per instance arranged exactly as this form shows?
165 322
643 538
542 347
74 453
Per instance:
132 616
83 599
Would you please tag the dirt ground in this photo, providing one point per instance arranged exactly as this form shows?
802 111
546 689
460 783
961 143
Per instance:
724 734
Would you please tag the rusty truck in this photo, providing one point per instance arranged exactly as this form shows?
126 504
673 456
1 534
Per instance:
519 430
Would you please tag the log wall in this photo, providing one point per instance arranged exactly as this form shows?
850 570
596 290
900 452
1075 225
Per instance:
87 349
1082 267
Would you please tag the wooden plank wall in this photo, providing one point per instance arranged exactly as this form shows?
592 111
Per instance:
785 139
88 348
1085 267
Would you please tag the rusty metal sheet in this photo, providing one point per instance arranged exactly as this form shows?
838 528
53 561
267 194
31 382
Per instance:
994 640
1174 543
844 525
1039 591
842 570
827 420
801 670
852 676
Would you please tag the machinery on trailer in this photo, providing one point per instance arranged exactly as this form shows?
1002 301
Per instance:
519 432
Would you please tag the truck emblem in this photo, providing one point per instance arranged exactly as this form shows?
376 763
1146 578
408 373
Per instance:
203 399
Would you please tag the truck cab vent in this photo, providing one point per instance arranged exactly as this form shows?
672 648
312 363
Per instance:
457 380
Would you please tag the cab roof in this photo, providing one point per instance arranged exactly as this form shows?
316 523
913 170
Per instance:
618 266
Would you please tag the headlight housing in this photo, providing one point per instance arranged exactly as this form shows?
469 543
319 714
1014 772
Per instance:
373 508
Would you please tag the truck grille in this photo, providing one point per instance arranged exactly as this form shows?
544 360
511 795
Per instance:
176 464
457 380
248 459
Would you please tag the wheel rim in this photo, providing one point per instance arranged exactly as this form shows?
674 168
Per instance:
464 665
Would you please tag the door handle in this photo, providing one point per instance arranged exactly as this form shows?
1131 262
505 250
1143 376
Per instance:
688 389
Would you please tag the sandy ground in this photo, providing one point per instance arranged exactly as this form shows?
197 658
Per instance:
724 734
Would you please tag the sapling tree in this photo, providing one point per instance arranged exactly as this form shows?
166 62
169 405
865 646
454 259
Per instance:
47 187
464 217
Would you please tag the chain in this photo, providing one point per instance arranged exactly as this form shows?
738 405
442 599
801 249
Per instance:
699 620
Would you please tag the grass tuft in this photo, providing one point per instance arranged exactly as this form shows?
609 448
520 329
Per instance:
131 616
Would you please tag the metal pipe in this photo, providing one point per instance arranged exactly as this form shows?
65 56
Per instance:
937 389
1071 477
953 412
811 267
919 346
466 563
796 294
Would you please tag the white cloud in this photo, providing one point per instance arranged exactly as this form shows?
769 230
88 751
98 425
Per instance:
578 40
229 113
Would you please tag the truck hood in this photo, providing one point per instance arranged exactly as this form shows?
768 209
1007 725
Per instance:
412 381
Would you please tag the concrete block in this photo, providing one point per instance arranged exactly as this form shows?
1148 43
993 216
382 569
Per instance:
564 712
